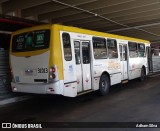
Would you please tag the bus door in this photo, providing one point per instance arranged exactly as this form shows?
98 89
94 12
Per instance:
124 61
83 65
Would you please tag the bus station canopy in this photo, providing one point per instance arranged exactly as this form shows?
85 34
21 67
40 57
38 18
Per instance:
134 18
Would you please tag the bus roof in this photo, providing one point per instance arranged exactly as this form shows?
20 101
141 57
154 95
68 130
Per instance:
80 30
96 33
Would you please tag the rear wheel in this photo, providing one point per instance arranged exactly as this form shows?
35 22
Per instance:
104 85
142 77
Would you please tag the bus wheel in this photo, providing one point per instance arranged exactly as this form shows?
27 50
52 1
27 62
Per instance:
104 85
142 77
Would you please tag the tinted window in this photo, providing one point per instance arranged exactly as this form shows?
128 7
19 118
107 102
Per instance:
112 48
123 52
120 51
85 52
77 52
67 46
132 49
30 41
99 47
141 50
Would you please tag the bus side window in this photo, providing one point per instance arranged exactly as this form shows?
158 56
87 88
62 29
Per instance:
133 49
99 48
112 48
120 51
141 50
67 46
86 52
77 52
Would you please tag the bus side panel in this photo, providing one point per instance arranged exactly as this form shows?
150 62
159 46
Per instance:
111 67
135 66
99 66
134 69
114 69
70 82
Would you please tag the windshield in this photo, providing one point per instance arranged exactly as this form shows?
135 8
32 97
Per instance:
31 41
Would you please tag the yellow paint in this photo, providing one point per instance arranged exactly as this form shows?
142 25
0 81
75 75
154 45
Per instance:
29 53
40 27
56 51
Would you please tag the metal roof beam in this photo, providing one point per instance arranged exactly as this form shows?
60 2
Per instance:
138 34
13 5
0 9
123 13
80 8
129 19
51 7
104 26
105 18
108 10
1 1
129 28
155 41
70 9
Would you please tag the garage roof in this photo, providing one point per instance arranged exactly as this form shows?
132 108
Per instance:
10 23
135 18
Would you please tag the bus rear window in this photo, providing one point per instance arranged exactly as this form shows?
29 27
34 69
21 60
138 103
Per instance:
31 41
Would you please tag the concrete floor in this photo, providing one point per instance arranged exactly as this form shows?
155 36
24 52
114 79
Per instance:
132 102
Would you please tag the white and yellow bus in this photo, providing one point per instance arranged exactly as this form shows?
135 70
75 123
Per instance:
69 61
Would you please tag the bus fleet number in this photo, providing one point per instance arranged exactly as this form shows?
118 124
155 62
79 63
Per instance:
42 70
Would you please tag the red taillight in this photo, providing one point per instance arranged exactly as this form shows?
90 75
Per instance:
52 73
53 70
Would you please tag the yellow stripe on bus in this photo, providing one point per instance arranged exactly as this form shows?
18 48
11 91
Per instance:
56 51
96 33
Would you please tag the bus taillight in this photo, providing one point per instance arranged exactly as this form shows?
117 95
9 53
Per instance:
52 73
53 69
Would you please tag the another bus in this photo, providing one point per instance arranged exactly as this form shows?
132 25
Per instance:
70 61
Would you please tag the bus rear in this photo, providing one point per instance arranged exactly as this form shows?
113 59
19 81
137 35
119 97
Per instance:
30 61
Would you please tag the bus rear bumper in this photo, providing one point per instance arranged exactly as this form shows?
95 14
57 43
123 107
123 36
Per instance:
40 88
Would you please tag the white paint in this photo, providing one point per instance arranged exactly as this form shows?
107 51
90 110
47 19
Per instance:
21 64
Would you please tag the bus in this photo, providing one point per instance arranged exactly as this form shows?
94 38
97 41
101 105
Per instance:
70 61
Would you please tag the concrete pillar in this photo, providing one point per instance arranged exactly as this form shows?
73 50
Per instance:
35 17
0 8
17 13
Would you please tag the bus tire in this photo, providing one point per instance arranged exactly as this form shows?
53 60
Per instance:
104 85
142 77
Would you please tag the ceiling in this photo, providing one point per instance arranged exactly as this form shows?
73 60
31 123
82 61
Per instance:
135 18
8 24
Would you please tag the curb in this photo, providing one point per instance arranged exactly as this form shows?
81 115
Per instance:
154 73
13 100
